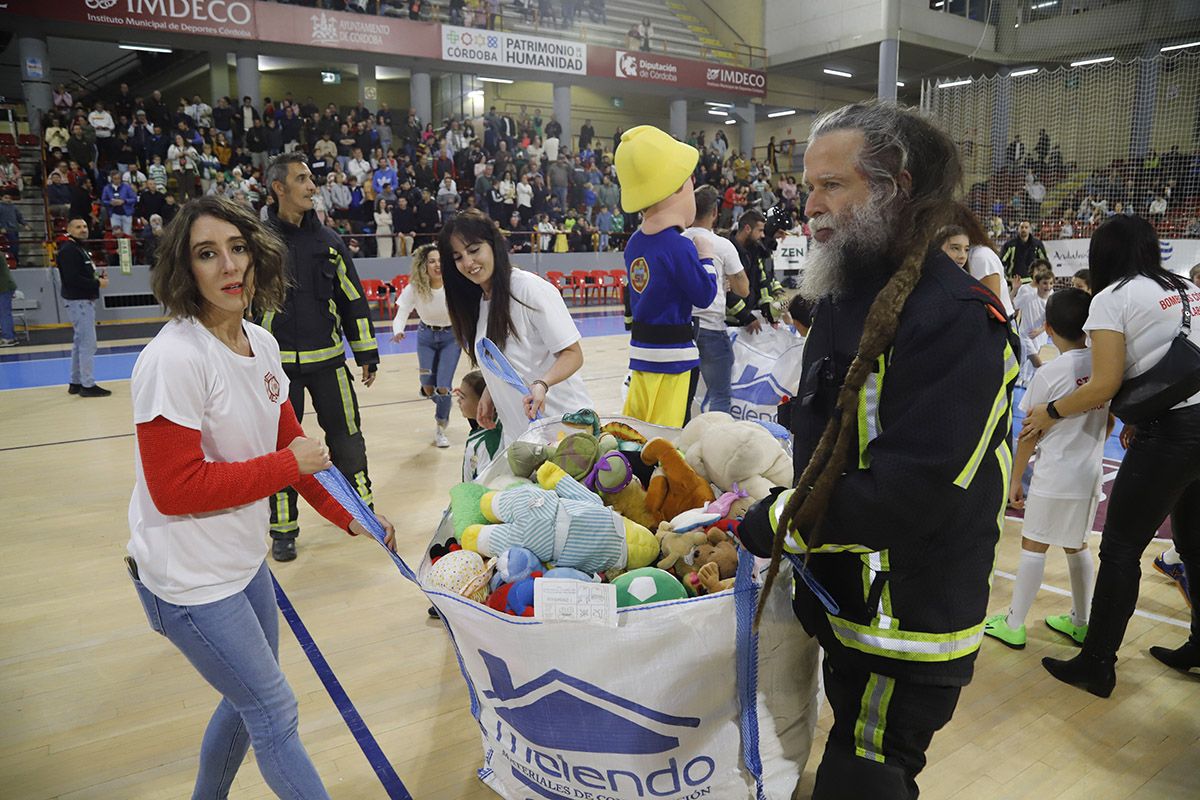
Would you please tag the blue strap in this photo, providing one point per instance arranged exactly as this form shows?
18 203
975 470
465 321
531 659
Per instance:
354 721
813 584
495 362
745 600
336 484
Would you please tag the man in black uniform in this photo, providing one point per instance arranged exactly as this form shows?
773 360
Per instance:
748 239
325 301
1019 253
899 504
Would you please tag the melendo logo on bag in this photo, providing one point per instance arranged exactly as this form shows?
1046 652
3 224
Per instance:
555 714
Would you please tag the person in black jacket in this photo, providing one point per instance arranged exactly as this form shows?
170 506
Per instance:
81 285
324 303
901 440
1019 253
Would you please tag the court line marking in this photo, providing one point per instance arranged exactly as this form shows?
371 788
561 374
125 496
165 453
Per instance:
1137 611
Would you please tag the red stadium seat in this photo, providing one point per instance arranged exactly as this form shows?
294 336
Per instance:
560 281
28 140
399 282
7 139
620 276
376 292
582 284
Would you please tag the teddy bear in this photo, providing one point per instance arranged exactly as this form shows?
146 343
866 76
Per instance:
677 548
728 451
676 487
713 562
595 538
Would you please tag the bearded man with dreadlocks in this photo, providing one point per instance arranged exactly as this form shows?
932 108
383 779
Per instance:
901 440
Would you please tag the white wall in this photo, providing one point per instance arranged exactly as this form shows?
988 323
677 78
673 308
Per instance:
797 30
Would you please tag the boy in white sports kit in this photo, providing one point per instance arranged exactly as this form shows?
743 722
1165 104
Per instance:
1065 490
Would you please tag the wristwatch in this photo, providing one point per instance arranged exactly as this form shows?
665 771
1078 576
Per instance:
1052 411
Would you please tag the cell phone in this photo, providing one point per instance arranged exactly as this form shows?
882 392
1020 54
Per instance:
131 565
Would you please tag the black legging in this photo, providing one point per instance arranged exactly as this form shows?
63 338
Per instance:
1160 475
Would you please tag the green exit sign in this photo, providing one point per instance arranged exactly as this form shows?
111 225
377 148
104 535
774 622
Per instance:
331 76
618 102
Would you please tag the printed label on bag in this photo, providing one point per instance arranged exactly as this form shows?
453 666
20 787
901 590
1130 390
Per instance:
563 600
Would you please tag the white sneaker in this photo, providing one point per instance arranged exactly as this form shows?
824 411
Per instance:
440 439
8 342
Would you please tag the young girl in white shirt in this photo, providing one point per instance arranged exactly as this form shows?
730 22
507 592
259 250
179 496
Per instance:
522 314
217 436
437 350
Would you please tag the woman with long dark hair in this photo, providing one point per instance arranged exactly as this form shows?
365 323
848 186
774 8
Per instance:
983 263
1134 316
217 436
522 314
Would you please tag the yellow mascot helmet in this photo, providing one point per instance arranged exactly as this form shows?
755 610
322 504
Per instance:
651 166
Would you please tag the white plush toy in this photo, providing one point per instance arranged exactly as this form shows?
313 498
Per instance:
728 451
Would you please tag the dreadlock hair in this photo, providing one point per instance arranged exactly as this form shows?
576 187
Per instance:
913 167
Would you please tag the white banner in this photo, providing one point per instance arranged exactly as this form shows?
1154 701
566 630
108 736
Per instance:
515 50
789 255
1068 256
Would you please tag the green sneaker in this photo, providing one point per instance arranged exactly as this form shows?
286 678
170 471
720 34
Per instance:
1062 623
996 626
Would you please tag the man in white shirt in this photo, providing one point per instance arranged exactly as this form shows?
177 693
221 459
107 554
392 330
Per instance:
201 112
712 338
102 123
358 167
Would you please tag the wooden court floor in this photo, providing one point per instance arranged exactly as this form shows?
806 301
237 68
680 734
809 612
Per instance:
95 705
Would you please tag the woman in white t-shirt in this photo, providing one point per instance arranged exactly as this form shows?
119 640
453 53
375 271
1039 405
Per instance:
522 314
437 350
1135 314
217 436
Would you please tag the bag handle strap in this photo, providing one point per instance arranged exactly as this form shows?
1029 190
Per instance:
1186 328
336 484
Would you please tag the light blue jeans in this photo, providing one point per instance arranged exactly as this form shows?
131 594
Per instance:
716 366
82 314
437 358
234 645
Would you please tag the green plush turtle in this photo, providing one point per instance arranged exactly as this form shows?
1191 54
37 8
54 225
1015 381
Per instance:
577 454
647 585
585 419
525 457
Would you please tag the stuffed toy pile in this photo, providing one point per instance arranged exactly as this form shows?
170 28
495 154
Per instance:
604 503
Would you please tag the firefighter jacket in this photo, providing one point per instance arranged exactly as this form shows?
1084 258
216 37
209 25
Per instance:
765 291
907 546
324 301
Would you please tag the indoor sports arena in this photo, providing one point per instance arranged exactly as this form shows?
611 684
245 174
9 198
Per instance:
600 399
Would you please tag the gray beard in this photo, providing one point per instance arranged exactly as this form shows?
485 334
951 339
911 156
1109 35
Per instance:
853 256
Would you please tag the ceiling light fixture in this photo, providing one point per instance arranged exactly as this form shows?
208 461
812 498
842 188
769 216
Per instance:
785 113
494 80
731 122
1088 61
838 72
1169 48
952 84
145 47
716 112
900 84
715 104
1021 72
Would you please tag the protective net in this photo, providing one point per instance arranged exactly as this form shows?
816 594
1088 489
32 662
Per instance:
1067 146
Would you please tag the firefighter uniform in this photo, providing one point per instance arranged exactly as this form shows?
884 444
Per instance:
324 301
765 290
906 548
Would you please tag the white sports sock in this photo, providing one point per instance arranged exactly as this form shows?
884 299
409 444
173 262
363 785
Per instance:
1029 579
1082 569
1171 556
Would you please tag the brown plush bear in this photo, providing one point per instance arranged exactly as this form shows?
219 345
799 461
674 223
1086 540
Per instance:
675 487
715 564
677 548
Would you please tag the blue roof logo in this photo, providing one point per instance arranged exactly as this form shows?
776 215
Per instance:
560 711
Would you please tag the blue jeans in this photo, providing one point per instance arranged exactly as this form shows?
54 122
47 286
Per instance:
716 366
437 357
234 645
82 314
7 329
561 193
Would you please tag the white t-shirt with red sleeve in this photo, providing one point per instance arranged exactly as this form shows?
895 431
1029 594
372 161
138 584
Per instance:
187 376
1149 316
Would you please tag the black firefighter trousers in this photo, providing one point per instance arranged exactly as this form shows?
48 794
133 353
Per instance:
881 729
336 405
